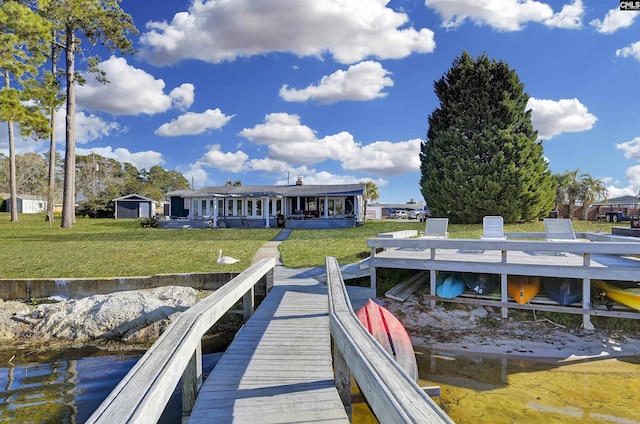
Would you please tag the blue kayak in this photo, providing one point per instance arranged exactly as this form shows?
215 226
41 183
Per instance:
449 286
565 291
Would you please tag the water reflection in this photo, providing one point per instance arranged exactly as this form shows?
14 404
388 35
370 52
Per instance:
499 389
55 387
66 387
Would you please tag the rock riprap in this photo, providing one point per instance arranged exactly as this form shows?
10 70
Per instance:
137 316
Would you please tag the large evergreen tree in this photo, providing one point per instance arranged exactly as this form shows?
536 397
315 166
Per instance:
481 156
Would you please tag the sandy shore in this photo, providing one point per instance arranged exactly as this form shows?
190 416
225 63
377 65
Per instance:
481 330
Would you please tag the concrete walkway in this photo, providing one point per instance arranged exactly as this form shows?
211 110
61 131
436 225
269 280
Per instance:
270 248
312 276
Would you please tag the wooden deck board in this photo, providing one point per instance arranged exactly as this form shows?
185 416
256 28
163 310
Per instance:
278 368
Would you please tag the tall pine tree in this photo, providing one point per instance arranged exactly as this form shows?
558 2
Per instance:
481 156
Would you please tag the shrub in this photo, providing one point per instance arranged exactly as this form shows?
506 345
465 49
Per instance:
149 222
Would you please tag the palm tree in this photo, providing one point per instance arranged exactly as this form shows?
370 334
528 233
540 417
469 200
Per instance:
372 191
567 189
590 190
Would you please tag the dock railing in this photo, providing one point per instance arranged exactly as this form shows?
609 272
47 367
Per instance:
392 395
142 395
552 260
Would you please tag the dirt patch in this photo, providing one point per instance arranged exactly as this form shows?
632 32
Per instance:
481 329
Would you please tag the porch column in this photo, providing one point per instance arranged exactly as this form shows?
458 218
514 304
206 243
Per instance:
266 208
214 213
326 206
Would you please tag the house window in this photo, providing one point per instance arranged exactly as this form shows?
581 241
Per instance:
259 207
238 207
220 207
250 207
230 207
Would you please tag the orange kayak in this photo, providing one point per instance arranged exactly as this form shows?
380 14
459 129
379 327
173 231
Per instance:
391 334
523 288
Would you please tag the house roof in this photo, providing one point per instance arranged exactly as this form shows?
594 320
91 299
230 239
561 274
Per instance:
622 200
25 196
274 191
134 196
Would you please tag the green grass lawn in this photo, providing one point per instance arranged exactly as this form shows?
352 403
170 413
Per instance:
32 248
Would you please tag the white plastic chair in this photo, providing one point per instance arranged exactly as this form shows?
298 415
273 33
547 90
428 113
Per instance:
559 230
493 228
436 227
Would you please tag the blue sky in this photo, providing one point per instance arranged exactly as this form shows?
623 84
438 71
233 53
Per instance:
338 91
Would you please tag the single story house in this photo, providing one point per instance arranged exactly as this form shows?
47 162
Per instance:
287 206
29 203
134 206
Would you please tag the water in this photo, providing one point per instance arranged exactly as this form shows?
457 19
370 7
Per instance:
67 386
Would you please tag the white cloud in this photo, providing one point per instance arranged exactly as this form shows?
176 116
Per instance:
131 91
386 158
182 97
217 31
140 160
326 178
614 20
88 128
570 17
507 15
196 174
363 81
271 166
380 158
337 147
550 117
225 161
632 50
631 149
279 128
192 123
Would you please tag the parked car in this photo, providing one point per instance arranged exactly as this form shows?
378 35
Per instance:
401 214
416 214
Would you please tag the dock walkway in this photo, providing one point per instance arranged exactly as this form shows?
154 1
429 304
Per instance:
279 366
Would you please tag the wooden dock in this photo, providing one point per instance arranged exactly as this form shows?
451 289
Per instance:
279 366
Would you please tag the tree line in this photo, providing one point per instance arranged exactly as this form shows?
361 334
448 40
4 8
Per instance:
99 180
35 35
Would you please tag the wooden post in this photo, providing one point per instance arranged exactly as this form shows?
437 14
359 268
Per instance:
268 279
373 273
248 303
503 287
586 294
191 381
342 378
432 286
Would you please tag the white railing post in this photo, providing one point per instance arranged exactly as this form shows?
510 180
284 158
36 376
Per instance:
191 381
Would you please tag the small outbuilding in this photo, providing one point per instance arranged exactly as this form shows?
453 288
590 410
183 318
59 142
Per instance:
29 203
134 206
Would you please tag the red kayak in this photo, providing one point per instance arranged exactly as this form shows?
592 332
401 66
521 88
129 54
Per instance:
391 334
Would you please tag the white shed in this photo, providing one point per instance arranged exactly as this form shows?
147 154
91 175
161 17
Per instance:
29 203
